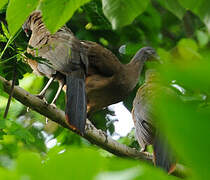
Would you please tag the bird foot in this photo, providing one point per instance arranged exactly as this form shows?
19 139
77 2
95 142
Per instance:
40 96
27 109
47 119
54 105
143 149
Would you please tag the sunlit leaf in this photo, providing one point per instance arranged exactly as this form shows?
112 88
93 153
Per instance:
187 126
3 3
56 13
29 165
174 7
200 8
188 48
121 12
202 37
18 11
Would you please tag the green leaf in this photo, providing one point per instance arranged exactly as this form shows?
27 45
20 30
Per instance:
1 87
17 12
187 48
174 7
190 4
29 165
121 12
6 33
56 13
202 37
186 127
75 164
3 3
200 8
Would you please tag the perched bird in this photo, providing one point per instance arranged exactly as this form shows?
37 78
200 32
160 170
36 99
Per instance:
107 80
145 119
66 61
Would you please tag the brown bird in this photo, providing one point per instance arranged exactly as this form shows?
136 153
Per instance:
145 120
67 62
107 81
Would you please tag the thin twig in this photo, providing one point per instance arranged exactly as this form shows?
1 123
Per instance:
11 91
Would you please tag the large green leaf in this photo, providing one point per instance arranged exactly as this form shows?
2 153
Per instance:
18 11
56 13
122 12
187 122
200 8
3 3
174 7
81 163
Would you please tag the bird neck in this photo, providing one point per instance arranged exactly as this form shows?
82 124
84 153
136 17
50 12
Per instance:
136 65
129 76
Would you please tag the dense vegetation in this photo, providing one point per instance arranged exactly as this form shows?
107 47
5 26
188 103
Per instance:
178 29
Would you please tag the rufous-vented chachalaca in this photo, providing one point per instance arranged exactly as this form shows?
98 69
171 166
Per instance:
107 81
67 62
145 120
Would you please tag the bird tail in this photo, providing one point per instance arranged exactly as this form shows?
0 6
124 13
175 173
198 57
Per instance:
163 156
76 102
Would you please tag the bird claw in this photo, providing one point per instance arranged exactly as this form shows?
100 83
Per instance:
53 104
47 119
40 96
27 109
143 149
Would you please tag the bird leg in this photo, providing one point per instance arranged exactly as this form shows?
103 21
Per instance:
143 149
61 84
43 92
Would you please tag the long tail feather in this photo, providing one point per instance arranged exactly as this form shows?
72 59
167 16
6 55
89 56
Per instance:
163 156
76 103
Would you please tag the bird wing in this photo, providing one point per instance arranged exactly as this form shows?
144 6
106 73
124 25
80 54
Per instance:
143 118
63 51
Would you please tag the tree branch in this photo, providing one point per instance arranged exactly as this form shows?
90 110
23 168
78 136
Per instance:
92 134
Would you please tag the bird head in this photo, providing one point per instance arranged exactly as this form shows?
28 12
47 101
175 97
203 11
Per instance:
28 25
146 54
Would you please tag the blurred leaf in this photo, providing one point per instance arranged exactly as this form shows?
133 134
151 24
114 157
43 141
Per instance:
200 8
29 165
1 88
186 126
174 7
62 11
202 37
17 12
8 175
2 123
194 75
3 3
74 164
121 13
188 49
164 55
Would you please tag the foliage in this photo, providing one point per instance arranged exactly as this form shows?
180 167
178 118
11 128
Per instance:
178 29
